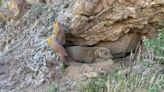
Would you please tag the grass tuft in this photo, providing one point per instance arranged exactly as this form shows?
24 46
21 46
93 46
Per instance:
120 83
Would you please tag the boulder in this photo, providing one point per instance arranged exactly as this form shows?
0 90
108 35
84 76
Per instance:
123 45
94 21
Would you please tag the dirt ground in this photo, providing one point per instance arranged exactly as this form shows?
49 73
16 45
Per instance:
69 79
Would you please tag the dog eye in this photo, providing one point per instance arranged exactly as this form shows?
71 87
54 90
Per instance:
106 53
102 50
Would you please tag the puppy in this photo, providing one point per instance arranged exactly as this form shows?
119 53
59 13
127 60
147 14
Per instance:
88 54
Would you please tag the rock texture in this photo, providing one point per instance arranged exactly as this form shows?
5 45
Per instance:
95 21
25 54
125 44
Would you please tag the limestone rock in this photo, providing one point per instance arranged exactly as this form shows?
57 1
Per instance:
123 45
87 22
94 21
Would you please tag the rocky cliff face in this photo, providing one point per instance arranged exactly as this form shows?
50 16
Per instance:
106 21
115 24
24 52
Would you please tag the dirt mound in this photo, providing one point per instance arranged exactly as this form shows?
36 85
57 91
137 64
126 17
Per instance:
80 71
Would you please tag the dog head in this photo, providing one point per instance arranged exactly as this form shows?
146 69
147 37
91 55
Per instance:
103 52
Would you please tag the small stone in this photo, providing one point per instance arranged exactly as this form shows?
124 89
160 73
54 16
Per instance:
91 74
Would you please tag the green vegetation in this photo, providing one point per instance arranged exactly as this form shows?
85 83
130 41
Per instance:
53 88
157 44
97 84
119 83
0 2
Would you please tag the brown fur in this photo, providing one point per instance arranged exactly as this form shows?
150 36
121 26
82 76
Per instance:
88 54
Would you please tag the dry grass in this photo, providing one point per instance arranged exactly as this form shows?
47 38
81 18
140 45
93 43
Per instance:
121 83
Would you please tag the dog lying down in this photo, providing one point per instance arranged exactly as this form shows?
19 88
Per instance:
88 54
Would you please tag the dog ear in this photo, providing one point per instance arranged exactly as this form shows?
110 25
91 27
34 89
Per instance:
98 52
106 53
103 53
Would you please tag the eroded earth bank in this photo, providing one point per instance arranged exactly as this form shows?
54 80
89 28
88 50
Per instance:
100 35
